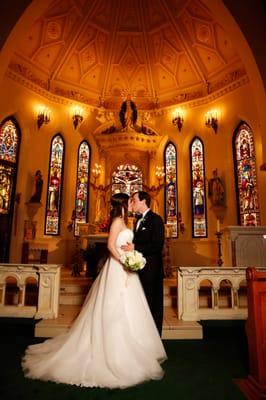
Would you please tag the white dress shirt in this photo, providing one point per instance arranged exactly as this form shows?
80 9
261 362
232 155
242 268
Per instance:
141 219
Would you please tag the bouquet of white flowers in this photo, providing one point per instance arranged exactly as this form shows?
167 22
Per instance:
133 260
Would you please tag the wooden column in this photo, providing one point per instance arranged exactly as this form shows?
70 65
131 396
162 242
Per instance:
254 387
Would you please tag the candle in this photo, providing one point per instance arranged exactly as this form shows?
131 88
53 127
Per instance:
217 225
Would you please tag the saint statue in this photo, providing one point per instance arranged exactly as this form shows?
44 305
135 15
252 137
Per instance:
36 197
216 190
128 113
101 203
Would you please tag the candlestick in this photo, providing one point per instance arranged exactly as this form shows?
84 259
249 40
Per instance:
218 228
219 245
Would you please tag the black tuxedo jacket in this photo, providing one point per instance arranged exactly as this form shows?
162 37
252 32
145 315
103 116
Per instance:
149 240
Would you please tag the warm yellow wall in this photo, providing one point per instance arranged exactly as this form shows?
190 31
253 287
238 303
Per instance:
233 107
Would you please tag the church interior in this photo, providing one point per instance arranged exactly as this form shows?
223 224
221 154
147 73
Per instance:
100 97
194 82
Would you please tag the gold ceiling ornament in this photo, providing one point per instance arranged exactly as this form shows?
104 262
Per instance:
126 94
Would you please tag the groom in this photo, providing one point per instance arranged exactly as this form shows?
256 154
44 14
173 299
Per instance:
149 240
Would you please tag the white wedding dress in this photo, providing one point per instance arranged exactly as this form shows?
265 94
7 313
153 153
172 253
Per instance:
113 342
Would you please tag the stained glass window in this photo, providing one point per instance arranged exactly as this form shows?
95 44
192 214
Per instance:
9 145
9 141
54 190
170 165
81 203
7 173
127 178
245 169
199 215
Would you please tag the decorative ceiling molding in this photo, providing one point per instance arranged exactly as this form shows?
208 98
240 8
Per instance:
230 82
128 140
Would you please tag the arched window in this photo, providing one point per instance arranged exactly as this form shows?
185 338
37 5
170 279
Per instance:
127 178
81 202
9 152
54 189
170 166
198 190
9 140
246 176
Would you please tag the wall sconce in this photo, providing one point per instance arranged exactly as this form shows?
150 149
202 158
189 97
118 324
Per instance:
44 115
159 173
96 171
178 119
211 120
77 116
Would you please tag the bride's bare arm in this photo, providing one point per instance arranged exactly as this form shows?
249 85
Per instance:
116 227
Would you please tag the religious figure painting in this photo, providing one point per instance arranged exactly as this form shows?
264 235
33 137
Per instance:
54 186
245 168
199 217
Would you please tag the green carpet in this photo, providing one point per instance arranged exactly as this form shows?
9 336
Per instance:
195 370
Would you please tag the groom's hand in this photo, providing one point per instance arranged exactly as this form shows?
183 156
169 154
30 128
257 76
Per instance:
128 247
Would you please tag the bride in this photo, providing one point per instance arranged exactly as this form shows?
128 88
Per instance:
114 342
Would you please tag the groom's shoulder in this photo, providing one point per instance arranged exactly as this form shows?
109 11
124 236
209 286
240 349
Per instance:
156 217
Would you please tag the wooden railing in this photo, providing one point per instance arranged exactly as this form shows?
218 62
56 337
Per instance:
211 293
29 290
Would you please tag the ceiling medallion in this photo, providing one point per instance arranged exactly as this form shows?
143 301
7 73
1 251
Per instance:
203 33
53 30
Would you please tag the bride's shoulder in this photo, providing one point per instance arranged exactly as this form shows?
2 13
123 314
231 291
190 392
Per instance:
117 222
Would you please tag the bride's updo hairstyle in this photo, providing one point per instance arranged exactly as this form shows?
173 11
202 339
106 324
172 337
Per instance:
119 206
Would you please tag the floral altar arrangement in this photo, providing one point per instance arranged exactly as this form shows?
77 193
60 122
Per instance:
133 260
103 226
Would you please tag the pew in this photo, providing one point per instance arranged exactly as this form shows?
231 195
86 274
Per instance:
254 386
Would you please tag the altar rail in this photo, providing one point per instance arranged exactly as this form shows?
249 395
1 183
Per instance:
212 293
29 290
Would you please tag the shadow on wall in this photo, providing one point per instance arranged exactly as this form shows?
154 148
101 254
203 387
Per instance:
57 252
197 254
66 252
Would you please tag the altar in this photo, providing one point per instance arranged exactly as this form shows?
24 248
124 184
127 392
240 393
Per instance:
95 251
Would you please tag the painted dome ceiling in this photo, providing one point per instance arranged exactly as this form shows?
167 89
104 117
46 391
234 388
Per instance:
162 52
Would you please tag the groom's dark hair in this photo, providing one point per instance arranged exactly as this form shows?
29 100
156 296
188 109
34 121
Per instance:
145 196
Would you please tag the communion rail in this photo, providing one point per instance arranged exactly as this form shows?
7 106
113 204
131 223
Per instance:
29 290
212 293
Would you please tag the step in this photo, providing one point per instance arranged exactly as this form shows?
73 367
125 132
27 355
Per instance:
172 327
72 298
73 289
170 301
170 292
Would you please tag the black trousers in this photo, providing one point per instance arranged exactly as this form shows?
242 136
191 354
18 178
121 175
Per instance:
153 289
